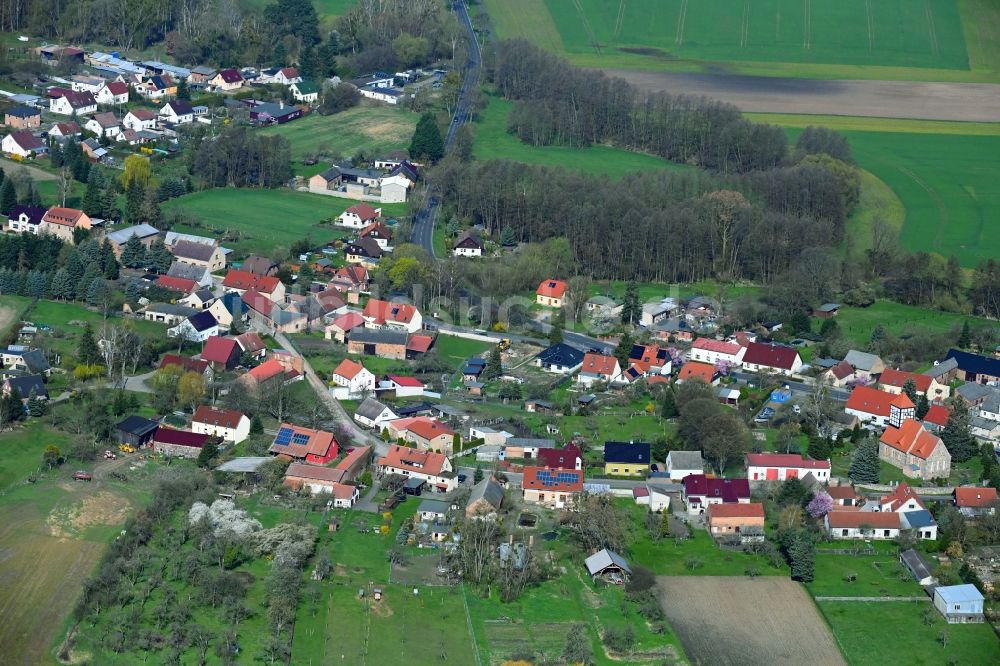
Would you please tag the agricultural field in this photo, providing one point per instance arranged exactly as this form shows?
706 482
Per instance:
261 220
374 130
494 142
729 620
893 39
865 641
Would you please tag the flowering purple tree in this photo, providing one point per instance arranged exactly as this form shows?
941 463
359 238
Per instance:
722 367
820 505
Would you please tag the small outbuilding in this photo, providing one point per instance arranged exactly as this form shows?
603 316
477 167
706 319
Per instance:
960 604
917 566
609 566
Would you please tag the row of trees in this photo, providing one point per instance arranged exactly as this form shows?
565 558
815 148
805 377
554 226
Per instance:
240 158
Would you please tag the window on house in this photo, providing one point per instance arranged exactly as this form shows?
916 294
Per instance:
885 533
843 532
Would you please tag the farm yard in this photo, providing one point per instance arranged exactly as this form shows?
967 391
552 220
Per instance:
261 220
740 620
891 39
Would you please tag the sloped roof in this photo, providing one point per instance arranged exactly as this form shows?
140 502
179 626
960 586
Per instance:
219 349
387 311
179 437
881 520
308 472
975 498
752 510
730 490
561 354
348 369
603 559
227 418
190 250
413 460
298 442
916 564
911 437
785 460
627 452
980 365
870 401
137 425
565 457
898 379
599 364
489 490
250 342
686 459
770 355
370 408
551 288
862 360
717 346
696 370
377 336
543 478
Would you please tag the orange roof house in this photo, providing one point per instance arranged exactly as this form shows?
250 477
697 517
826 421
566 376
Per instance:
975 501
916 451
735 518
695 370
315 446
880 407
551 293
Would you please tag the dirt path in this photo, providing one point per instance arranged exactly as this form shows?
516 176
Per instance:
883 99
10 167
7 317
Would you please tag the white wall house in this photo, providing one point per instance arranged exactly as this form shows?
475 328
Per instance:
226 424
139 120
706 350
352 380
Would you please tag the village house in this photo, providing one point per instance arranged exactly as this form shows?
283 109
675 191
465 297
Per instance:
975 502
893 381
322 480
339 328
844 496
350 280
25 359
599 368
782 466
62 131
364 251
384 343
252 344
700 491
22 118
299 443
826 311
227 309
187 364
974 368
840 375
227 424
199 327
736 519
468 245
325 181
209 257
25 385
918 567
24 219
527 448
568 457
771 357
554 488
426 433
305 92
378 232
359 216
626 458
177 111
373 414
485 499
352 380
433 468
920 454
167 313
222 353
104 124
178 443
200 299
693 370
651 496
393 316
112 93
866 366
879 408
227 80
145 232
715 352
23 144
139 120
401 386
94 151
243 282
68 102
862 525
550 293
62 222
680 464
959 604
180 285
284 76
270 371
560 358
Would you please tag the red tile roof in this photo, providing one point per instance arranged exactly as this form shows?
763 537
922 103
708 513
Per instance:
770 355
428 428
911 437
346 322
179 437
312 442
420 344
250 342
551 288
219 349
364 211
120 88
752 510
377 230
785 460
414 460
230 75
307 472
532 482
871 401
938 415
266 284
266 370
67 217
695 370
227 418
385 311
402 380
854 519
897 378
975 498
239 280
560 458
900 496
842 370
172 283
841 492
189 364
258 301
717 346
599 364
348 369
355 275
26 140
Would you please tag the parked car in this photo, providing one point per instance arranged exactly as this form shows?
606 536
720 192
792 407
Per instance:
80 475
765 415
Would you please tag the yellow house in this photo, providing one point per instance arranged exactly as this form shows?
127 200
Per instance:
626 458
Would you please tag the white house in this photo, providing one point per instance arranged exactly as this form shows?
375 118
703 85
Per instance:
468 245
304 92
104 124
707 350
139 120
862 525
433 468
393 189
599 368
178 111
21 143
226 424
112 93
682 463
651 496
387 95
879 408
403 387
69 101
198 327
782 466
352 380
359 216
24 219
373 414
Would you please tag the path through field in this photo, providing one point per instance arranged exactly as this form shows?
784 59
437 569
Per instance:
882 99
745 621
7 316
11 167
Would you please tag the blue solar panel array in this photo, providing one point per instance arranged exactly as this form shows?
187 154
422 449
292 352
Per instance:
284 436
554 478
300 439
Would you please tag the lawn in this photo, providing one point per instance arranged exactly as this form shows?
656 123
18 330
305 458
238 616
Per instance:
454 348
857 323
375 130
494 142
894 632
878 575
21 451
253 220
938 40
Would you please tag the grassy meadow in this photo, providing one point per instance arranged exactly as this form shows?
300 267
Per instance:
494 142
937 40
261 220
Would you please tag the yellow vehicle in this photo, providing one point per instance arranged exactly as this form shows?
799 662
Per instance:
146 150
126 448
504 344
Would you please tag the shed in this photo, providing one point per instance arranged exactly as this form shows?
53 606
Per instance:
608 565
136 431
414 486
959 604
917 566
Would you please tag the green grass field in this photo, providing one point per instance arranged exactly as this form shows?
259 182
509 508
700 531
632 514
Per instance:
878 575
266 219
457 349
871 124
494 142
21 451
891 39
894 632
372 129
857 323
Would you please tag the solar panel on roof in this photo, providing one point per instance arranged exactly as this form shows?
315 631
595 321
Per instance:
284 436
300 439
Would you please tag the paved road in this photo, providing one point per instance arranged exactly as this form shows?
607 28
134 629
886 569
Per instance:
423 221
884 99
579 340
797 386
